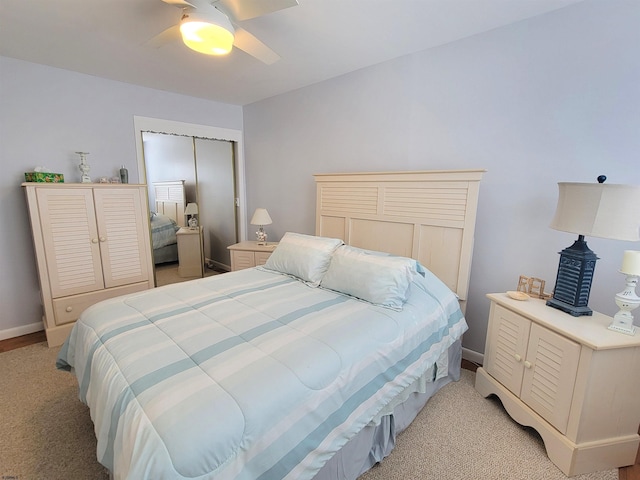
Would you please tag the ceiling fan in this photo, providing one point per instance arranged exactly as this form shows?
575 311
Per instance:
210 27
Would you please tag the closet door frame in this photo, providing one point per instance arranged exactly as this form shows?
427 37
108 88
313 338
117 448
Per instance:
147 124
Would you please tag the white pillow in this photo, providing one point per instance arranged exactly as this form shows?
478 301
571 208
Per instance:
375 277
304 256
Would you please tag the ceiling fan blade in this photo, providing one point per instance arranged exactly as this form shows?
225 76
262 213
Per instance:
171 34
254 47
241 10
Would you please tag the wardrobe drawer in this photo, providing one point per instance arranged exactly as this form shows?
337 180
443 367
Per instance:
68 309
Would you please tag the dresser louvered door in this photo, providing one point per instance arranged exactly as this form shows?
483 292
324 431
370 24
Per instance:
536 364
505 358
549 375
122 230
71 244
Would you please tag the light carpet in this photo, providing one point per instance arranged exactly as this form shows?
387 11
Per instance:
48 434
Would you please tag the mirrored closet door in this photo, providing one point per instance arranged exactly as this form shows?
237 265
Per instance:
183 170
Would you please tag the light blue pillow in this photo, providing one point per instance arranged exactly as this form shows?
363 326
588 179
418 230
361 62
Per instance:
375 277
304 256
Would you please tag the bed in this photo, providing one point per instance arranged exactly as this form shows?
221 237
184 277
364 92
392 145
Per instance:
166 219
307 367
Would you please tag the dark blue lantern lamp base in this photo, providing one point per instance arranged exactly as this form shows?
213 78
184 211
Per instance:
573 283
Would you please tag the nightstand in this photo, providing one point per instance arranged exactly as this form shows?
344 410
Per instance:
570 378
190 252
249 254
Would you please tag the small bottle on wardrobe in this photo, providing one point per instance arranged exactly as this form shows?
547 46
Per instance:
124 174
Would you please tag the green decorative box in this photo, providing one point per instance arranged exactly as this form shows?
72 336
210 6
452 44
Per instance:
44 177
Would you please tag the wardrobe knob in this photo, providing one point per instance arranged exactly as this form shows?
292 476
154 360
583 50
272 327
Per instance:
527 364
103 239
517 357
94 240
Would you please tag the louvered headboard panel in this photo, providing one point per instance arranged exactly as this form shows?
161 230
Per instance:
171 200
426 215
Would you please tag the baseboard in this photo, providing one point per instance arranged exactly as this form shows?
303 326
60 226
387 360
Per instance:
22 330
217 265
472 356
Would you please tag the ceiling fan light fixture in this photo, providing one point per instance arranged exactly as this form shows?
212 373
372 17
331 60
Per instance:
208 34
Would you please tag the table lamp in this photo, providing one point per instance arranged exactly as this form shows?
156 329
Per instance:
261 218
590 209
192 211
627 300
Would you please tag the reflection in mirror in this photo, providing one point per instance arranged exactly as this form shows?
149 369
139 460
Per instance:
181 170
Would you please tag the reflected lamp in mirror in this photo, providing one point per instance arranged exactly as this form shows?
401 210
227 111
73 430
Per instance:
192 211
627 300
590 209
261 218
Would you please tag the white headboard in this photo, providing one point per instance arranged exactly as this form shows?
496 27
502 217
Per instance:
426 215
171 200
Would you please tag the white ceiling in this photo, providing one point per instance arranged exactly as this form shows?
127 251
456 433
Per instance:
317 40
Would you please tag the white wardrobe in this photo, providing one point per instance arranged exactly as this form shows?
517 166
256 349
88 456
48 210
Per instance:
92 242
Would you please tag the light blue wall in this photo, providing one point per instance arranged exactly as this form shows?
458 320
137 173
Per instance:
553 98
46 115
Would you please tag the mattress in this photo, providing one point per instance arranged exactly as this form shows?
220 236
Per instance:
250 374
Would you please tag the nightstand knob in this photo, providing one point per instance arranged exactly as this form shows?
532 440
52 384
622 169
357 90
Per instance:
69 309
517 357
527 364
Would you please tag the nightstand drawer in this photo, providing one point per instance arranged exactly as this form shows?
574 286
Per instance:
250 254
242 259
262 257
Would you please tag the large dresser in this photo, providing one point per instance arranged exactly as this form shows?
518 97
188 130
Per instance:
92 242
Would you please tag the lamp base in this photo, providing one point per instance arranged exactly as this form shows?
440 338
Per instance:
629 330
568 308
573 283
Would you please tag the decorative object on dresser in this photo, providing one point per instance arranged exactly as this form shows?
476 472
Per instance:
250 254
627 300
192 211
593 209
261 218
532 286
84 167
92 242
190 252
124 174
568 378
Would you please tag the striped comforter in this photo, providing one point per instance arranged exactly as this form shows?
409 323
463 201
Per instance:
247 375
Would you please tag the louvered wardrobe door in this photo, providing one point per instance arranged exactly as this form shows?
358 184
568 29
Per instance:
550 375
121 218
70 238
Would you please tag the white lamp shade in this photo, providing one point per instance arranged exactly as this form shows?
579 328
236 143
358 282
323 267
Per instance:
261 217
631 263
598 210
192 209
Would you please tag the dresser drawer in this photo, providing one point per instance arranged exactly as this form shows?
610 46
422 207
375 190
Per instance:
68 309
